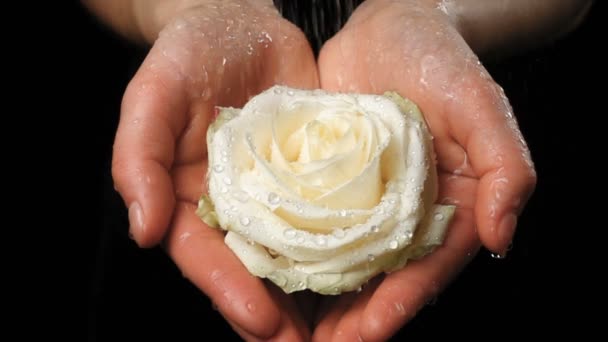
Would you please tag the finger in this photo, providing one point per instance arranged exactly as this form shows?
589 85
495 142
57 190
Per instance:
457 190
331 311
202 256
244 334
347 329
340 315
189 181
293 325
153 114
404 292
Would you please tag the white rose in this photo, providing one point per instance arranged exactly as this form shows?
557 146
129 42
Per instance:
323 191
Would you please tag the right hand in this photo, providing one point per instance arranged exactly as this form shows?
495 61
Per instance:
208 54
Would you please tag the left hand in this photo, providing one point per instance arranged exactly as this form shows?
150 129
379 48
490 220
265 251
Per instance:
484 166
209 53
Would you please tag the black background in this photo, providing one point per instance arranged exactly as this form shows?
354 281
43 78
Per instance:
540 289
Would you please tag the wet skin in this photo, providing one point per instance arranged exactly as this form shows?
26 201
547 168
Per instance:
210 55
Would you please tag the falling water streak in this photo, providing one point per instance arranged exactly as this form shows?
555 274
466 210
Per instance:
313 17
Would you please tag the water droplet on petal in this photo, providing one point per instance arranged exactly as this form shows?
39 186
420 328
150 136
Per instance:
241 196
224 190
371 257
393 244
278 91
438 217
245 221
277 279
300 240
289 233
251 242
321 240
374 229
291 93
273 198
227 181
218 168
338 233
343 212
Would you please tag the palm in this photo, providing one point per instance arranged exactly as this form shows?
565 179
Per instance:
206 57
416 52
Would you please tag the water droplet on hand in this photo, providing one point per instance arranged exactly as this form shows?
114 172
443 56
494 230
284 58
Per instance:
497 256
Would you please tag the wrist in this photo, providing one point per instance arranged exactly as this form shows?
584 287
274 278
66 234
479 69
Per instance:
151 16
446 9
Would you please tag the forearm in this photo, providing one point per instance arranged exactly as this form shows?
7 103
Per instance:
505 26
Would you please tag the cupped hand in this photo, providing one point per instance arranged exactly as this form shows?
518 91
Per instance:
485 169
210 53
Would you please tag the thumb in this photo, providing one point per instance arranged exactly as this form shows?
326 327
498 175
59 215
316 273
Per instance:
501 159
153 114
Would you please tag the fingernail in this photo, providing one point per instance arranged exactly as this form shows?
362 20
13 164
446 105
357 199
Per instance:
136 219
506 229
